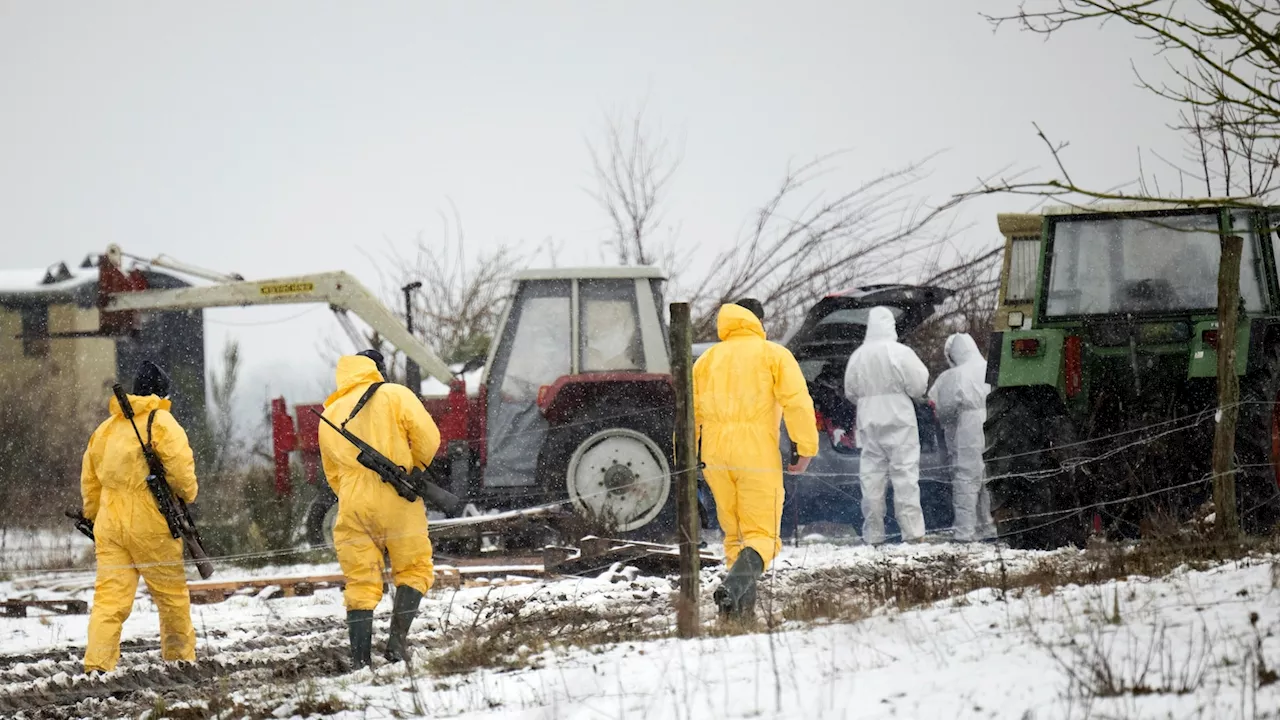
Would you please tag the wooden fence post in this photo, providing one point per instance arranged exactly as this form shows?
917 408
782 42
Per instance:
685 470
1224 438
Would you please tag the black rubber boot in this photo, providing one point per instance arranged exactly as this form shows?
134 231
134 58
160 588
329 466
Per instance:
360 631
736 596
405 610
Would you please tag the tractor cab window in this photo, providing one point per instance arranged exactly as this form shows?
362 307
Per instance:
539 351
609 330
1024 257
1142 265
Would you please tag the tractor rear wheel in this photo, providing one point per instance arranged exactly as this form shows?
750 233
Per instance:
1033 497
614 468
1258 446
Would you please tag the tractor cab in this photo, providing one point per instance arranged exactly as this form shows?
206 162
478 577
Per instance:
572 409
579 395
1115 351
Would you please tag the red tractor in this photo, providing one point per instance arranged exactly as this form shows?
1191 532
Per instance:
571 409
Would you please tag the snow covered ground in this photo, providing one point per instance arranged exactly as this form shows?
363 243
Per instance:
847 640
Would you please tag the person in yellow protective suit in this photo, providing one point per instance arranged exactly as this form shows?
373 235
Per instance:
131 537
372 518
740 387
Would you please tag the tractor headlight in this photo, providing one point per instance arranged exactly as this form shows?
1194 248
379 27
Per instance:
1016 319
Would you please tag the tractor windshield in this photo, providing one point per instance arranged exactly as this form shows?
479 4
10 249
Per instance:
1142 265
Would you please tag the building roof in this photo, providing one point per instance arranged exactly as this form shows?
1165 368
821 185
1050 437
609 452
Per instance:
55 278
62 283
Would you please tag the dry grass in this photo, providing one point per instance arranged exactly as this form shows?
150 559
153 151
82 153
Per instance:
216 703
511 634
848 593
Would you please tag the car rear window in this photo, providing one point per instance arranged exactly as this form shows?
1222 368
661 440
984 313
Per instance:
854 316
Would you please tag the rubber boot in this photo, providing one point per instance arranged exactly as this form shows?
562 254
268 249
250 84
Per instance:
737 594
360 631
404 611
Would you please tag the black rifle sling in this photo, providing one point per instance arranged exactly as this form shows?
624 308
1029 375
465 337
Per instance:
363 399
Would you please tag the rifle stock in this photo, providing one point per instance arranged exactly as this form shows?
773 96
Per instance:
82 523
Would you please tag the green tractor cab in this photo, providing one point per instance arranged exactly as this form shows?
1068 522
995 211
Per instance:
1104 398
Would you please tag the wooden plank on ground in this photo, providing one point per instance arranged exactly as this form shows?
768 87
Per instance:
594 555
18 607
447 576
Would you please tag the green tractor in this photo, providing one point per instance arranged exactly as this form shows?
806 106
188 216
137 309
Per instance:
1104 395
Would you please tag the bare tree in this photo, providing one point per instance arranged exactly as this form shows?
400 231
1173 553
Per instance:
974 277
227 447
1225 55
1230 155
457 309
802 244
633 168
43 433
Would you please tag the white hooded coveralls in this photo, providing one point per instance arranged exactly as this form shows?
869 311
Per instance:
882 377
960 396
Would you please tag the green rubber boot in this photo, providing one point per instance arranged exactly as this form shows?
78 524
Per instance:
736 596
360 631
405 610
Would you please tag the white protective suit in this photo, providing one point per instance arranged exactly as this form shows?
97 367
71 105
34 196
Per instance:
882 377
960 396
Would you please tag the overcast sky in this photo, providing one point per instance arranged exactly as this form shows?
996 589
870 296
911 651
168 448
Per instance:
274 138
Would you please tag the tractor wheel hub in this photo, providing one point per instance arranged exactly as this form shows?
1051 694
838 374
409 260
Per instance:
619 477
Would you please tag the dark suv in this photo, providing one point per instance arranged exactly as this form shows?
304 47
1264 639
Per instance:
829 490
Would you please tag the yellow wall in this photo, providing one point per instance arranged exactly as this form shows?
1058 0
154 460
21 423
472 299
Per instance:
81 370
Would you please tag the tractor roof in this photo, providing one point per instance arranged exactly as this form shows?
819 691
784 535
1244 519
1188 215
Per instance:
589 273
1148 205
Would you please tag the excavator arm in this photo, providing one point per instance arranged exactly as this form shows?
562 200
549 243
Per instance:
341 291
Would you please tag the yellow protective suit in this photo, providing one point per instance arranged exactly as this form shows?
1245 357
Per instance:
371 516
740 388
131 536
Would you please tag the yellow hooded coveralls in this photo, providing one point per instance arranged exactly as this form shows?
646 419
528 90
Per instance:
740 387
371 516
131 536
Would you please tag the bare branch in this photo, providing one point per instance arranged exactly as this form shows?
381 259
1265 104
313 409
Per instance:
633 168
456 311
1225 56
802 244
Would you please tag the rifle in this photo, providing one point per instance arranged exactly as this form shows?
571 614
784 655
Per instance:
408 484
175 512
82 523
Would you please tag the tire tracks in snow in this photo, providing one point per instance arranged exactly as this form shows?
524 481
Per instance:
52 685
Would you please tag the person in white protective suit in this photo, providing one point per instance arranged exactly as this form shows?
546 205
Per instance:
882 378
960 396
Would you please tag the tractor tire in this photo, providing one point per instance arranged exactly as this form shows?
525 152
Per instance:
613 466
1258 446
321 517
1034 500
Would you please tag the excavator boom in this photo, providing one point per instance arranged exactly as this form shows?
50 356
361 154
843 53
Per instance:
337 289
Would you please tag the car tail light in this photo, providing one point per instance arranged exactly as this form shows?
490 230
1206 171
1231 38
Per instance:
1210 338
1072 361
1026 347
